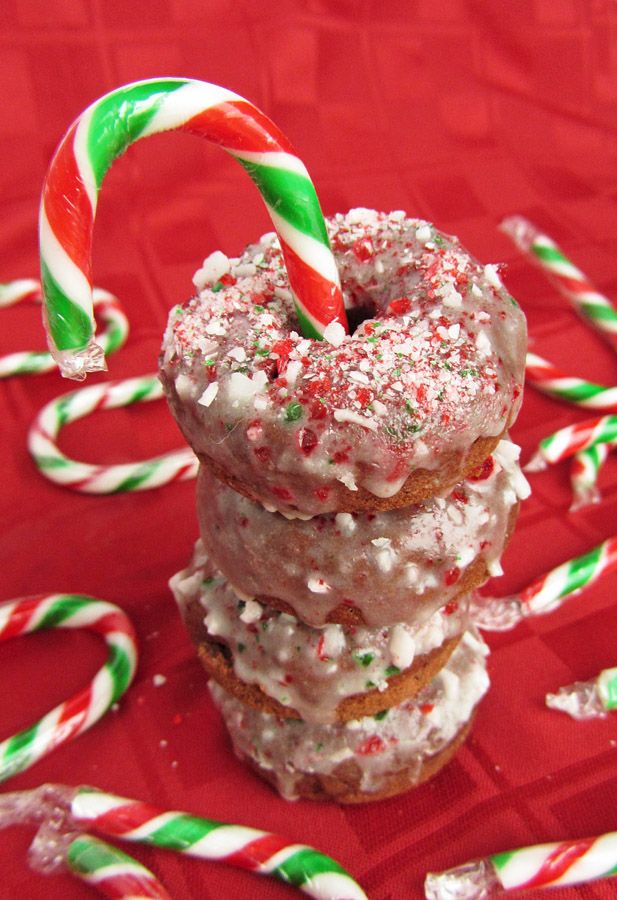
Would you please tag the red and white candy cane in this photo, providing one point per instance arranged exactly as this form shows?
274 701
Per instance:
550 380
112 872
33 362
178 465
548 592
75 715
528 868
103 132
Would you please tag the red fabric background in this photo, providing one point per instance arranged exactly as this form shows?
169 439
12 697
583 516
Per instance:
460 111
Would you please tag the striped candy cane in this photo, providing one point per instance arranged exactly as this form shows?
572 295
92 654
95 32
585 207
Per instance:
587 699
572 439
32 362
258 851
77 714
584 472
550 380
548 592
103 132
179 465
540 866
112 872
597 309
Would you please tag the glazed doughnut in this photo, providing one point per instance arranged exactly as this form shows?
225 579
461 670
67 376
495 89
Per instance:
400 410
275 663
368 758
371 568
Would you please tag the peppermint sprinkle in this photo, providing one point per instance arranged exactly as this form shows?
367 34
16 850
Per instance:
317 585
209 394
347 415
334 334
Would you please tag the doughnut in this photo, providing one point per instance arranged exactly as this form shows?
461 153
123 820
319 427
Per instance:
277 664
368 758
398 411
373 568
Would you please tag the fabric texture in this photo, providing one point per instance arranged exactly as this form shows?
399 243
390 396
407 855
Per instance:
458 111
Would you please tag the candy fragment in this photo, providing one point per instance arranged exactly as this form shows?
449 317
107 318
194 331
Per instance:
31 362
103 132
179 465
587 699
78 713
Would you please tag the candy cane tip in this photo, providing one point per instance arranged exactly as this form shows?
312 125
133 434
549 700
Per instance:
519 229
76 364
537 463
585 498
471 881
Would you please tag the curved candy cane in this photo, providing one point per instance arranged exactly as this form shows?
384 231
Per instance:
584 472
103 132
31 362
179 465
80 712
571 440
541 866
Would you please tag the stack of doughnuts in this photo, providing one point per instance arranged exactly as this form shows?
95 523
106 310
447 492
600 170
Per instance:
353 492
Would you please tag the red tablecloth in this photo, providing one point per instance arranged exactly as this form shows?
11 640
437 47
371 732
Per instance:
460 111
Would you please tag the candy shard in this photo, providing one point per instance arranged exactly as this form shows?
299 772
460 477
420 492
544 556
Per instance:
496 613
472 881
77 364
580 700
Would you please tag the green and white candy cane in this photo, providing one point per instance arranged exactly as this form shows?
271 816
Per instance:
572 439
595 307
548 592
261 852
587 699
178 465
584 472
103 132
558 864
75 715
112 872
34 362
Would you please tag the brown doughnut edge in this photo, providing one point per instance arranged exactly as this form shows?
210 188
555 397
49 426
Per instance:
215 657
342 785
422 484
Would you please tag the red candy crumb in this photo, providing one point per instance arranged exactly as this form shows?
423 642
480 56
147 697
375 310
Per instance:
427 708
363 249
483 471
450 607
282 493
307 440
263 454
452 576
371 746
400 306
322 493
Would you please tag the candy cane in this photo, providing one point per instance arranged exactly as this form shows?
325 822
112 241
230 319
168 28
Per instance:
77 714
112 872
569 280
544 865
179 465
258 851
547 378
572 439
31 362
103 132
587 699
57 846
584 472
548 592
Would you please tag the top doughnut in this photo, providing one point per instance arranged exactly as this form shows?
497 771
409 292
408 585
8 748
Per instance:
400 410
